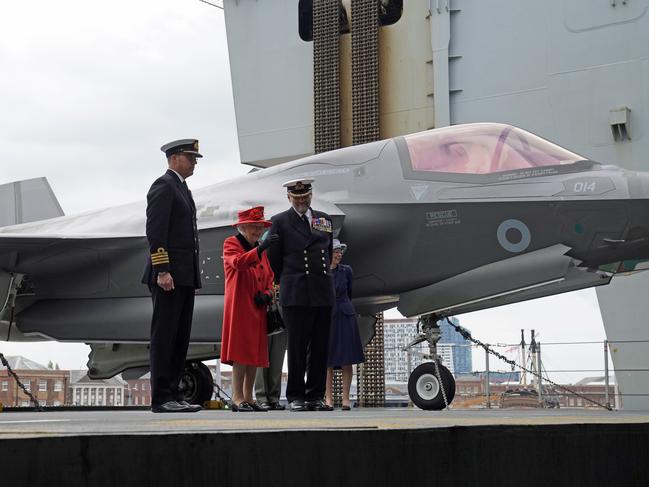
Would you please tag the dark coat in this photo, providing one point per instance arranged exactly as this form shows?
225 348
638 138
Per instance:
301 260
172 232
345 347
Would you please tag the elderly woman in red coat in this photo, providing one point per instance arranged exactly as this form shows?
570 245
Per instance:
248 291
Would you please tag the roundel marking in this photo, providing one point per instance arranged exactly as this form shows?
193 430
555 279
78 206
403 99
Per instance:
515 247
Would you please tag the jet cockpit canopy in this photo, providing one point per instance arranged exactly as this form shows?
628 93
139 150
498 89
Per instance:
483 148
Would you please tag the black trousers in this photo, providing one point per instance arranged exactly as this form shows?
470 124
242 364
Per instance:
170 329
308 346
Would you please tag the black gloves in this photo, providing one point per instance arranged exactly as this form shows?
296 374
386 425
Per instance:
262 299
267 242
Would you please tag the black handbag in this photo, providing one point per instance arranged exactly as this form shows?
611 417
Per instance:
274 321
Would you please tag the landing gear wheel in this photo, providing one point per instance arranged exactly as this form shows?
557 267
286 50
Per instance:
197 384
425 390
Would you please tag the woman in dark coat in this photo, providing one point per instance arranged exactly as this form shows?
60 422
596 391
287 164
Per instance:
248 291
345 348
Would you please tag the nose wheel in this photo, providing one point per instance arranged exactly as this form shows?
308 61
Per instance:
431 386
425 389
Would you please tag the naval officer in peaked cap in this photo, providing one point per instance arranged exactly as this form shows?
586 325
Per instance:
172 274
301 263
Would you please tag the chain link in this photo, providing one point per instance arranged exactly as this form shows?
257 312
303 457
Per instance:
326 75
365 71
441 384
467 335
20 384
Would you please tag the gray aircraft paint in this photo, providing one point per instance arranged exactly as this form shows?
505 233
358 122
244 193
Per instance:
85 268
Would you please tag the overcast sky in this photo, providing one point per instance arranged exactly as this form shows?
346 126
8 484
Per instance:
91 89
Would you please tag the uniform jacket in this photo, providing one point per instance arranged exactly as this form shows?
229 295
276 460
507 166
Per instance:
244 336
171 232
301 260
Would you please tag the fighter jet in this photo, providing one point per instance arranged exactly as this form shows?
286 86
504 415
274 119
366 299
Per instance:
438 223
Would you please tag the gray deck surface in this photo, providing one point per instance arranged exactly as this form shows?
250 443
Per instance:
74 423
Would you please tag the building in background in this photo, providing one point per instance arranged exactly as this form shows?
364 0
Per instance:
461 347
48 386
454 350
103 392
138 391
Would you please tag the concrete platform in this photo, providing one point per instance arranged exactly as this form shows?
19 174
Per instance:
360 447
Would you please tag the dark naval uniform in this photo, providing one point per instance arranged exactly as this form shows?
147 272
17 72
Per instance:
173 240
301 264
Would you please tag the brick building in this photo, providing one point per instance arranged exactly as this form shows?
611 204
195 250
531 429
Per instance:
138 391
470 392
48 386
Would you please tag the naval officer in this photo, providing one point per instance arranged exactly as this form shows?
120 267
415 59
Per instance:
301 264
172 273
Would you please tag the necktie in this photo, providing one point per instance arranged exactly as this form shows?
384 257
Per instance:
306 220
188 195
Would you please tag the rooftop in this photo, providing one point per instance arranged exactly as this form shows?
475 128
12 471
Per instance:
18 362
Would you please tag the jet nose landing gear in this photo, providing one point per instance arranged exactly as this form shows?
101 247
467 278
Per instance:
431 386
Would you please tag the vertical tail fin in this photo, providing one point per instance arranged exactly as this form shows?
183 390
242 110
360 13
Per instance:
27 201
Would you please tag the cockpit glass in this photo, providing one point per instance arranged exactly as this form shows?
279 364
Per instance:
483 148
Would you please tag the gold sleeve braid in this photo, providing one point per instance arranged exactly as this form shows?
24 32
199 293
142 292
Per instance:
160 257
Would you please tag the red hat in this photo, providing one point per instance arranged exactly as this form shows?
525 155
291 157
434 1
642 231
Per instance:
253 215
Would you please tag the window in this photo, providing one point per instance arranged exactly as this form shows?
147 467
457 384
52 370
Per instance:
56 403
42 385
389 13
24 404
58 385
28 385
5 385
135 386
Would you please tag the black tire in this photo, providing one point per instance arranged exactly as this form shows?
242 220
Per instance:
424 389
197 384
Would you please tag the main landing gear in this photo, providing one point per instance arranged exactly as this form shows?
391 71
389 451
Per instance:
197 384
431 386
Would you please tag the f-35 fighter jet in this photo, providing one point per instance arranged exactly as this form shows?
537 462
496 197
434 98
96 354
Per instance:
438 223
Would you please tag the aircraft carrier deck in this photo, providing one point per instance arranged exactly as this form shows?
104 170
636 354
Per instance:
399 446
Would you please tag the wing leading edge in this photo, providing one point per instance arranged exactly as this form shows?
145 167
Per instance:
536 274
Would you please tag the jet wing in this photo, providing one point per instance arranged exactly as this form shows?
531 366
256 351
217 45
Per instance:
532 275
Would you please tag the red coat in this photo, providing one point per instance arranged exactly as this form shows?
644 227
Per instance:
244 338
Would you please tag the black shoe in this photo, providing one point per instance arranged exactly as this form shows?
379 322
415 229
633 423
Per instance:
242 407
170 407
193 408
298 405
273 406
257 407
319 405
346 408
